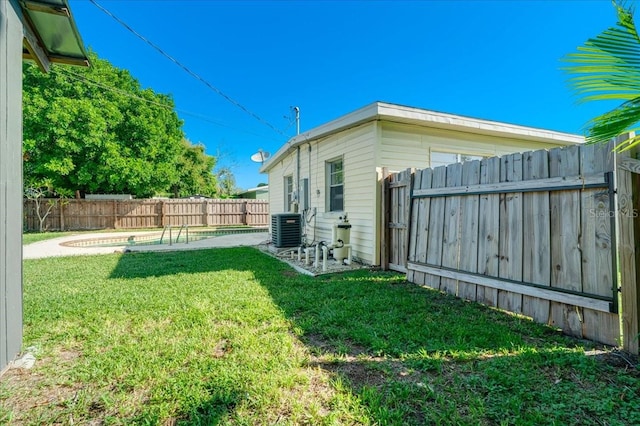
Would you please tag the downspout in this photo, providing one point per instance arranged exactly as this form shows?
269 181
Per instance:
298 175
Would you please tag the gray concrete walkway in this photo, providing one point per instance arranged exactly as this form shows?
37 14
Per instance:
55 247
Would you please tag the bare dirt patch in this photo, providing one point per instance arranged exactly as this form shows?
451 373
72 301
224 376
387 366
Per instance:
29 390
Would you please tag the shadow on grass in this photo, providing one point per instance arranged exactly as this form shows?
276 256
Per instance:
213 412
411 355
157 264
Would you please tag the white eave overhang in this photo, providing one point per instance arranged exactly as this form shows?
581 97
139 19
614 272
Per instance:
424 118
50 34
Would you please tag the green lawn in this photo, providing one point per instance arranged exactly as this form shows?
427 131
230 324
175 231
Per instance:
233 336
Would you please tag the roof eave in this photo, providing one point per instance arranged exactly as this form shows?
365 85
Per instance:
424 118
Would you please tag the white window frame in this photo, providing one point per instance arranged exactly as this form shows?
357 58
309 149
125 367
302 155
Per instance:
288 194
330 184
460 157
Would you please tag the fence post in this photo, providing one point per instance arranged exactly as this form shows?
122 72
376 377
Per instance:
162 218
407 216
115 214
628 233
61 214
384 219
205 213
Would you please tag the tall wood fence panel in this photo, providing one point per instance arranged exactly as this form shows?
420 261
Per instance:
542 234
73 215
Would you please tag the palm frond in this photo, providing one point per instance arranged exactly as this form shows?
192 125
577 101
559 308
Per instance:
609 125
607 67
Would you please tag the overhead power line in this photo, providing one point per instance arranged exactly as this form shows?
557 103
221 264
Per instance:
189 71
87 80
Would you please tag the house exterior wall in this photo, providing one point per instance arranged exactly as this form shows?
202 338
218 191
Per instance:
10 182
402 145
357 149
366 149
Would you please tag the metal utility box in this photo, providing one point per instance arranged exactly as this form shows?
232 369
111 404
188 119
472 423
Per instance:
286 230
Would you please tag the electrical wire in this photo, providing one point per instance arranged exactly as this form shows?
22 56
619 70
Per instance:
87 80
188 70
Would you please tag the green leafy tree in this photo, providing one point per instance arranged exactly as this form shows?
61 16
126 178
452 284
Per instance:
226 183
607 67
196 172
96 130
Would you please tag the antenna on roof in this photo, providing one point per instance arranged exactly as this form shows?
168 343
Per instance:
260 156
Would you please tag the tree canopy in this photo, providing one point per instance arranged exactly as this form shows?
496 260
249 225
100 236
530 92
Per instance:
194 168
607 67
96 130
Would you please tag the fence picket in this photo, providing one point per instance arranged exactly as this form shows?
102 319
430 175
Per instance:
511 227
422 225
416 206
596 245
537 235
489 231
565 240
451 235
436 227
469 210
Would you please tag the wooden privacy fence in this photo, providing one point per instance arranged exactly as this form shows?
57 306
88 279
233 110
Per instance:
73 214
547 234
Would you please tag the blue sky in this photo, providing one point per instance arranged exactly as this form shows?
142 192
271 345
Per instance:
497 60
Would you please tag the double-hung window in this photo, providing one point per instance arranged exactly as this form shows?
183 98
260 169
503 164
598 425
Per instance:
288 193
335 185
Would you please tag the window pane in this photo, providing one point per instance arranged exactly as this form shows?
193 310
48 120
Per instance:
336 173
336 178
442 158
335 186
337 198
288 193
468 157
446 158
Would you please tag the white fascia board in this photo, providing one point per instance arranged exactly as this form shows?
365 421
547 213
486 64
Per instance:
399 113
425 118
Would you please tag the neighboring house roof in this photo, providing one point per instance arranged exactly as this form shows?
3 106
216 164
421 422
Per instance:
50 34
263 188
255 193
425 118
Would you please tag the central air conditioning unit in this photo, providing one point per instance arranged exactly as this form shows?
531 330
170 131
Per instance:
286 230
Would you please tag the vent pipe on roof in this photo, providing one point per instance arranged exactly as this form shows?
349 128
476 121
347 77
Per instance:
297 111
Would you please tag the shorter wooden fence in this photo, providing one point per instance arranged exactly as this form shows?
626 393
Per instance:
75 215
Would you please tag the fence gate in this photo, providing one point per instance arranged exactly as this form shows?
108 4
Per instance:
396 216
547 234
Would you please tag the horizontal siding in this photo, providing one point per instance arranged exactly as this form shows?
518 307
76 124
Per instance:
356 146
276 189
403 146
